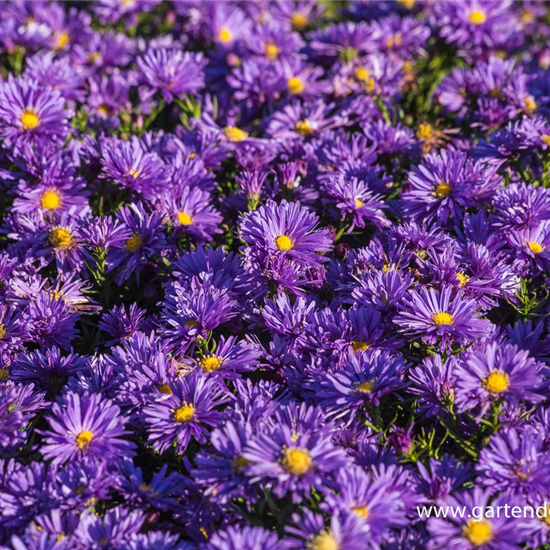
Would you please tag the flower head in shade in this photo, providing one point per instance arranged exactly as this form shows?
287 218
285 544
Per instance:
113 530
497 372
434 382
191 212
475 530
442 477
365 378
439 319
223 469
122 324
515 460
294 457
171 72
31 113
85 426
346 531
244 538
286 229
142 237
185 413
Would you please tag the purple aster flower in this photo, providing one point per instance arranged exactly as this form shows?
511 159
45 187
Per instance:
171 72
191 212
294 457
346 531
244 538
130 166
31 113
365 378
85 426
230 358
516 461
497 372
223 469
475 530
185 413
49 369
122 324
434 382
143 237
113 530
443 477
375 502
445 184
286 229
441 319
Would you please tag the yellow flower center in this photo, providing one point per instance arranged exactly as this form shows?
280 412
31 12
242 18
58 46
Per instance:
271 51
546 517
296 461
234 134
478 532
62 40
83 440
3 331
393 41
497 382
323 541
211 363
296 85
299 21
166 389
425 131
535 247
545 139
134 243
359 345
134 173
185 413
362 511
239 463
103 110
50 200
442 190
304 128
283 243
365 387
442 318
478 17
362 73
61 237
29 119
225 35
4 374
530 104
463 278
358 202
409 4
184 219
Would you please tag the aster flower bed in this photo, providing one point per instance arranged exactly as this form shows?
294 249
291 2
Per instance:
274 274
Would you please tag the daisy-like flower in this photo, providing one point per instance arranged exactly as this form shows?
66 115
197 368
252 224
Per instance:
85 426
170 72
191 212
346 531
31 113
244 538
439 319
497 372
474 531
286 229
294 457
230 358
515 460
185 413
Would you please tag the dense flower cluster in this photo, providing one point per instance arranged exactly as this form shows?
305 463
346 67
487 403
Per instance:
273 274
